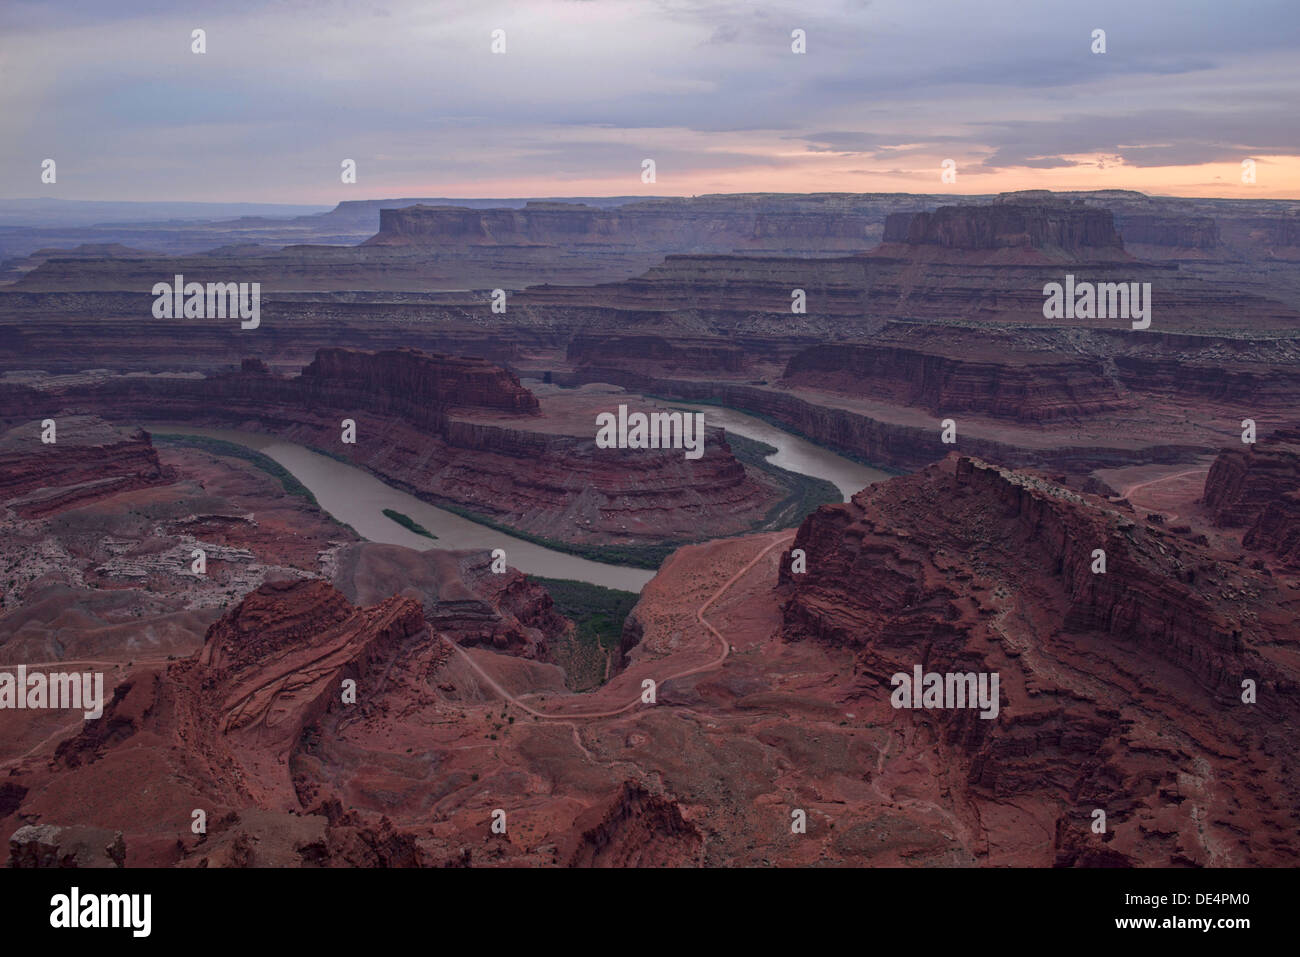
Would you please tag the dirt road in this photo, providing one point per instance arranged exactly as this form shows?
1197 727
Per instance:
724 649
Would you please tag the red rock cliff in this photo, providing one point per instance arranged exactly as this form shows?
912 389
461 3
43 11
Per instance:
1072 228
419 378
1245 480
88 460
556 484
1030 387
275 662
1181 232
230 718
1258 486
703 224
1114 687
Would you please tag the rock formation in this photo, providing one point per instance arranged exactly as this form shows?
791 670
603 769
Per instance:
1030 387
220 729
1065 230
1277 530
1178 232
638 829
905 442
270 667
1115 686
701 224
451 430
1246 479
276 662
48 845
410 380
461 596
1258 487
88 460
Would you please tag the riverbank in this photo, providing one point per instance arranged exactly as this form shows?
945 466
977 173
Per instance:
357 497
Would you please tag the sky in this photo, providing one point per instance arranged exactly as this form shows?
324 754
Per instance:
1009 90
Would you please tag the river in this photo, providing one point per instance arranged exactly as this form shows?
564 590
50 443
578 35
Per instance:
792 453
354 496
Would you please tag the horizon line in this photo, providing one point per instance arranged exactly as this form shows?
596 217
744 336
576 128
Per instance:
557 198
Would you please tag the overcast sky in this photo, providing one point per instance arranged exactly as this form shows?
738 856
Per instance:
587 89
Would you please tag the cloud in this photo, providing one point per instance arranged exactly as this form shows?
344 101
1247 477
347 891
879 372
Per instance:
289 88
1148 138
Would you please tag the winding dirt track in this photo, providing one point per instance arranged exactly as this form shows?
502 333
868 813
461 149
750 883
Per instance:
1130 489
1127 491
724 650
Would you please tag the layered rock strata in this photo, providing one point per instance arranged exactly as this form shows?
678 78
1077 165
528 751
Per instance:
451 430
1028 387
1060 228
1245 480
1258 487
87 460
1120 690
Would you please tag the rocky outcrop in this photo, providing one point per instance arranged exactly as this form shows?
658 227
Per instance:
1179 232
702 224
462 598
410 379
664 353
638 829
1142 596
48 845
1258 487
276 662
1245 480
88 460
1068 229
270 668
1028 387
1277 530
971 568
298 728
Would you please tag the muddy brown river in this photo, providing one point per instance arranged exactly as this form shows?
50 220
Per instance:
354 496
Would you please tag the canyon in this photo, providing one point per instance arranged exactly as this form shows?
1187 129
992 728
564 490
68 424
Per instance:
451 430
970 567
1120 691
1079 517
